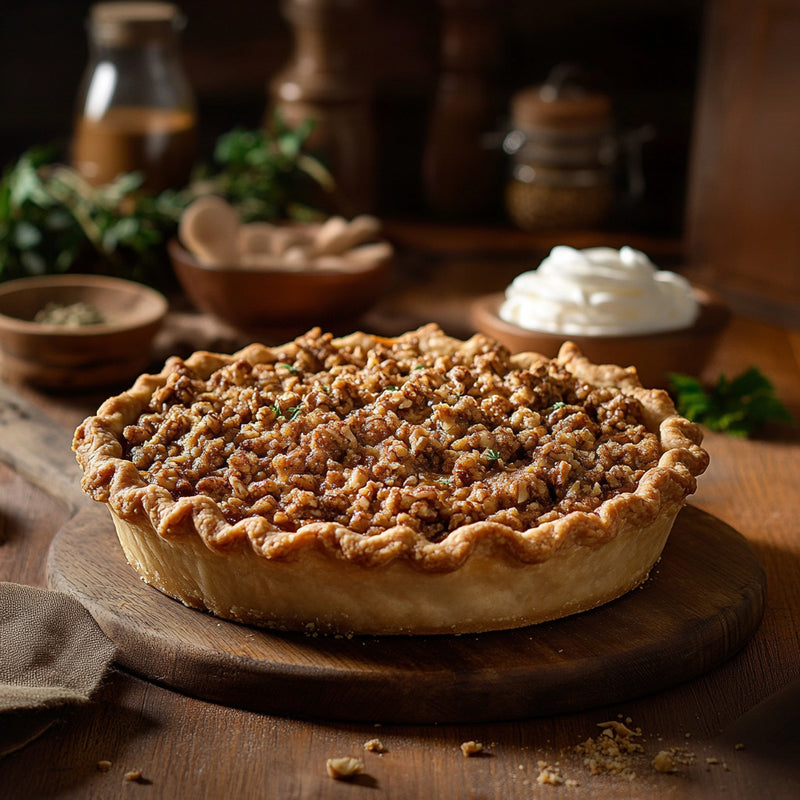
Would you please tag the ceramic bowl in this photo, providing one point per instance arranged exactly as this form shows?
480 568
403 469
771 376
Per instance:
58 356
654 355
269 298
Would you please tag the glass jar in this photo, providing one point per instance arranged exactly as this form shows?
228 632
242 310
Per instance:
563 153
135 107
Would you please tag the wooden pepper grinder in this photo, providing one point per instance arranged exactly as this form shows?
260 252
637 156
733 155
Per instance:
326 81
461 173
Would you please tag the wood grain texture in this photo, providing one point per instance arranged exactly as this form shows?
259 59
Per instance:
703 601
191 748
38 448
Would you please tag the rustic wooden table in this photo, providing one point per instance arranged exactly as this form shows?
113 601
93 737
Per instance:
190 748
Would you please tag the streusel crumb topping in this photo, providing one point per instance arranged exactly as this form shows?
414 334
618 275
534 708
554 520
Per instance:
391 435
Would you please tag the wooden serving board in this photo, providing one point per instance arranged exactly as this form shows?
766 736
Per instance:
703 601
701 604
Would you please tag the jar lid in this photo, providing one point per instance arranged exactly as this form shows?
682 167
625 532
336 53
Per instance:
131 23
574 111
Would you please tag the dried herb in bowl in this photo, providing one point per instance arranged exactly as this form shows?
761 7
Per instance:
69 314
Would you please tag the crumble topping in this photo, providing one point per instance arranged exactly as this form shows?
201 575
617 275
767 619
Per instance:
393 435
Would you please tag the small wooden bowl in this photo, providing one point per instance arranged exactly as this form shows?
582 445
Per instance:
654 355
56 356
268 298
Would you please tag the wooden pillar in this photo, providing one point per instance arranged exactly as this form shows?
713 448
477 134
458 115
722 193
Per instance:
743 210
460 174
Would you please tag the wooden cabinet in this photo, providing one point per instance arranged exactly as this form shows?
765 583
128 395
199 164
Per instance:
743 213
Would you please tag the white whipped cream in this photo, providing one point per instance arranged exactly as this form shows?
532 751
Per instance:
599 291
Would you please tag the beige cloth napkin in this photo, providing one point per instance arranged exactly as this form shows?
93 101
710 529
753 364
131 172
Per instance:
52 654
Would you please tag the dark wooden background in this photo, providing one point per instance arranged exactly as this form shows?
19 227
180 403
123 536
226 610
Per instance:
643 52
718 80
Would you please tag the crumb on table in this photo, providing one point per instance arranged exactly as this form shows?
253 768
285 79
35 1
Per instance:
549 774
344 768
471 748
374 746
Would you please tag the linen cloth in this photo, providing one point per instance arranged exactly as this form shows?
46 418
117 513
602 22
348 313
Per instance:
52 655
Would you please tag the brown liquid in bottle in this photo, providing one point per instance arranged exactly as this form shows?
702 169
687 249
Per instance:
159 143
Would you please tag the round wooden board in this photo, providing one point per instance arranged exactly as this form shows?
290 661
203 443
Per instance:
704 599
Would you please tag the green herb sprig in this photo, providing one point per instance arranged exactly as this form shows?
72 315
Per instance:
267 174
52 220
739 407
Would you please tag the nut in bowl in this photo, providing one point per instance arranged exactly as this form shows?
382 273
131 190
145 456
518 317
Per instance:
260 275
77 331
615 306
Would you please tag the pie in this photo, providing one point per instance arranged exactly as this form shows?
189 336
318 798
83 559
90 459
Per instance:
366 485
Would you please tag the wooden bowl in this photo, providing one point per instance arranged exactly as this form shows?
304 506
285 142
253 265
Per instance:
57 356
655 355
265 298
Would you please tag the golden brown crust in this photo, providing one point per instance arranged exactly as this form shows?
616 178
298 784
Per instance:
110 477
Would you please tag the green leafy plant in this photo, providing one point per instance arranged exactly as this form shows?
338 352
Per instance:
266 174
54 221
739 407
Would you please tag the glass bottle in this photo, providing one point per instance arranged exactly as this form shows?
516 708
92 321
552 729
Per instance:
564 152
135 108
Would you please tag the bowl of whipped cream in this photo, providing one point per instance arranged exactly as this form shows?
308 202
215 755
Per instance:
616 305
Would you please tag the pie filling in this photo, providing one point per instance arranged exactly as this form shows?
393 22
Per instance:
403 443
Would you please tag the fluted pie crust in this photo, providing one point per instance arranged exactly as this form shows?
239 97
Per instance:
417 485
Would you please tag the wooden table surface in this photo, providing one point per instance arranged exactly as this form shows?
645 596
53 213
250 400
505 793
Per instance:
188 748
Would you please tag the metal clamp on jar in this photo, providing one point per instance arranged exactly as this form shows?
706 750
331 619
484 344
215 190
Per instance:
563 153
